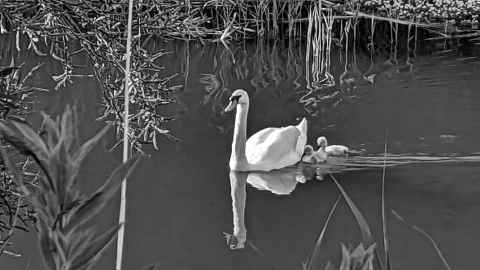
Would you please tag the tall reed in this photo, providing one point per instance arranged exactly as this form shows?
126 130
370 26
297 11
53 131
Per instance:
126 145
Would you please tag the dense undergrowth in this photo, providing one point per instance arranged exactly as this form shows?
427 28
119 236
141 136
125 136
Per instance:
16 95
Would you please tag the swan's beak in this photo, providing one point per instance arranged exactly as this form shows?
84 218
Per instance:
231 106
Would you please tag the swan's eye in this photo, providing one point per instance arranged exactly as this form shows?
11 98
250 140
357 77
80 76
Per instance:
234 98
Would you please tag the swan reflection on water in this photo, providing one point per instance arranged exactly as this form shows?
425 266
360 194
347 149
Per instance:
279 182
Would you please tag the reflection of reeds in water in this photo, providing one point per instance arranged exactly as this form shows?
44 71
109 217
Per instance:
326 90
264 67
319 40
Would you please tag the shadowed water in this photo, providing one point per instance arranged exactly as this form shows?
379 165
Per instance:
425 109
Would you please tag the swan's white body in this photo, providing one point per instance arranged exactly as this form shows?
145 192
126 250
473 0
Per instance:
268 149
275 148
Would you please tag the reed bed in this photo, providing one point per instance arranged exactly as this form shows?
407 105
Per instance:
62 210
225 19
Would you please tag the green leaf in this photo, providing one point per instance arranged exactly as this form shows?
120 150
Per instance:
90 256
68 128
316 250
59 169
345 263
47 247
88 146
362 222
31 136
79 242
21 144
51 127
82 152
27 147
89 208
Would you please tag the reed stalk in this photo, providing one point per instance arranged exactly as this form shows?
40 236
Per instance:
123 192
427 236
386 245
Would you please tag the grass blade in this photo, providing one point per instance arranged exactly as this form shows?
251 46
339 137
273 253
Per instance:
386 244
361 221
316 249
426 235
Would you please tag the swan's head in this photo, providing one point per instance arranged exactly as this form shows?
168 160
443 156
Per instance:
238 97
322 142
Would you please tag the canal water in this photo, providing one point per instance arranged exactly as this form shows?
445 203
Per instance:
423 106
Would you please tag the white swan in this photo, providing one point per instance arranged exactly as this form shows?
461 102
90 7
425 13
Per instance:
331 150
268 149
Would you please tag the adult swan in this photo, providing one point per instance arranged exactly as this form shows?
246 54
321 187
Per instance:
268 149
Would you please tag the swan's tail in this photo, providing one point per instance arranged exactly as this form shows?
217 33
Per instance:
302 139
302 126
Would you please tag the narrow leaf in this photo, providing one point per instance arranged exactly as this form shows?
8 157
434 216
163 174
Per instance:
91 255
67 128
22 145
31 135
51 128
88 146
47 248
26 147
316 249
80 242
101 197
426 235
362 222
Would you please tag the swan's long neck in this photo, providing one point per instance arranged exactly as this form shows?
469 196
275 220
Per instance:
240 136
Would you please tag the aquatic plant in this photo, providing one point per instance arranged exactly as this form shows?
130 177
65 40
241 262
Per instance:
96 31
358 258
62 210
221 19
307 265
15 99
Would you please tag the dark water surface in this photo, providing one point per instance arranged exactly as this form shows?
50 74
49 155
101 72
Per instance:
179 199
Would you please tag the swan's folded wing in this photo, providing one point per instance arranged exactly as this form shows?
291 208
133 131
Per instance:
273 147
